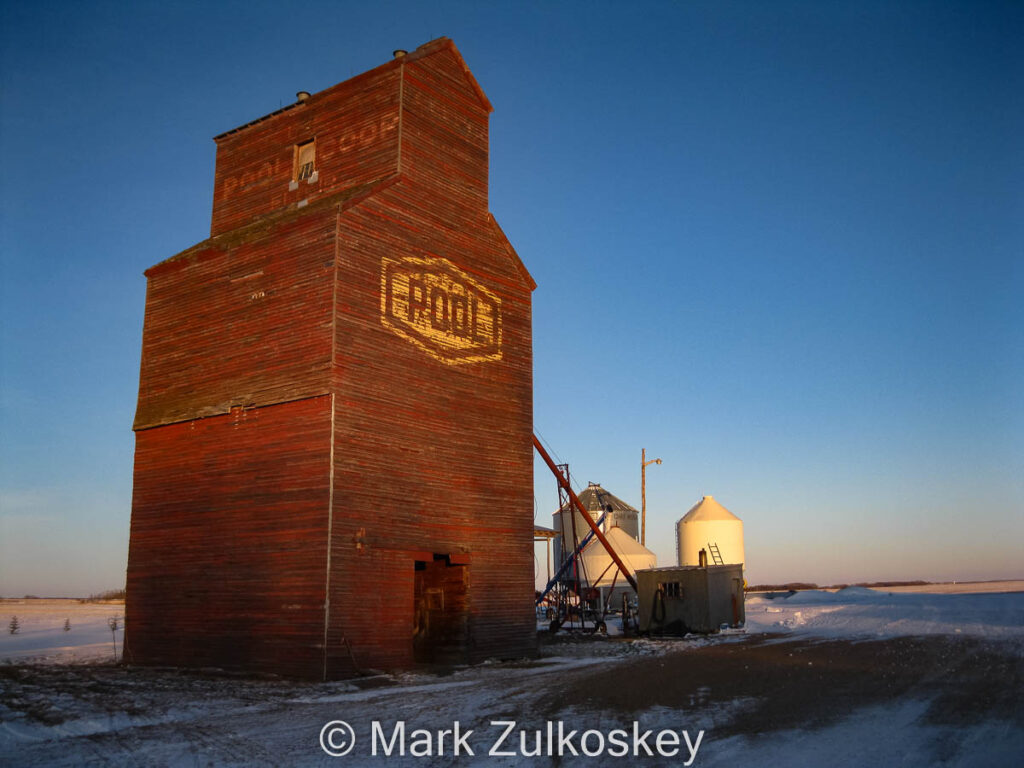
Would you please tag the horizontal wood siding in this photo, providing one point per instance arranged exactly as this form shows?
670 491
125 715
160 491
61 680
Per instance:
246 324
249 335
445 136
228 551
428 456
370 620
355 126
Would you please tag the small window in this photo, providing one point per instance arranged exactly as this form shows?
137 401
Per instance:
673 589
305 160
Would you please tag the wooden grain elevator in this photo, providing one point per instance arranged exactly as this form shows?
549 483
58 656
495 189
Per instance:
333 462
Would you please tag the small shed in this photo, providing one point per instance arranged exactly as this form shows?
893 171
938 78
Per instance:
682 599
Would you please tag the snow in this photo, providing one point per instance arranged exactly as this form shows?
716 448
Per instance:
97 713
880 736
41 636
962 587
861 612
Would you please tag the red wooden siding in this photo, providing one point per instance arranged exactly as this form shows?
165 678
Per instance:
355 125
261 524
429 456
229 540
243 323
445 136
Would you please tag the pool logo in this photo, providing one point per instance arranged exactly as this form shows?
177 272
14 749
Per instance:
442 310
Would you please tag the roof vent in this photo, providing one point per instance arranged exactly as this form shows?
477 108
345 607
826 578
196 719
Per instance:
399 53
301 96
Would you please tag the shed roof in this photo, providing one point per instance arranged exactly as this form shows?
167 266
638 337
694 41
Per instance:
708 509
670 569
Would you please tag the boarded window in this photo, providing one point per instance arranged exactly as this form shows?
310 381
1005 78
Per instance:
305 160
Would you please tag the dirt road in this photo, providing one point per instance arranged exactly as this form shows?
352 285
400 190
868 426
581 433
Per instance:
747 693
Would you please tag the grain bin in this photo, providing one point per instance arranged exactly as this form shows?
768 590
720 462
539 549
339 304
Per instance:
710 527
594 567
597 567
599 503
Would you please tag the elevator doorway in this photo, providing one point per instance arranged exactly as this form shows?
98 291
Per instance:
441 614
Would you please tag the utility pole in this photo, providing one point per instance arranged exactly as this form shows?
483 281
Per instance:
643 493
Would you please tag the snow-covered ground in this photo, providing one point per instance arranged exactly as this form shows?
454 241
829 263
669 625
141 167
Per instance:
42 637
861 612
853 678
961 587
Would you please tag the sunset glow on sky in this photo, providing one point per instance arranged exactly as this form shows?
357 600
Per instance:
778 245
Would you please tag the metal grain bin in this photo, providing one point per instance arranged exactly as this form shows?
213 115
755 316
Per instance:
711 527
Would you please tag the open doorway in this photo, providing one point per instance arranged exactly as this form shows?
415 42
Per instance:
441 615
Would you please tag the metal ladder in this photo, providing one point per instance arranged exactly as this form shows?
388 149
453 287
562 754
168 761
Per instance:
716 555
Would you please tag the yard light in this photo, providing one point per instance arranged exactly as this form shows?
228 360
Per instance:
643 493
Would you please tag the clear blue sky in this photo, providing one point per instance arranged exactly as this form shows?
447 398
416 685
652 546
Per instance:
780 245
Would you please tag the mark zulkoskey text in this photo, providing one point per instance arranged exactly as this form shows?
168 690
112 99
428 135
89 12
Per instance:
507 740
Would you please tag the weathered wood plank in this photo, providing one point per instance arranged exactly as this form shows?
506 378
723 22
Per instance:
331 394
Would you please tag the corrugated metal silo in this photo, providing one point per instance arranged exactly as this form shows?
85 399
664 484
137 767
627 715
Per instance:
598 502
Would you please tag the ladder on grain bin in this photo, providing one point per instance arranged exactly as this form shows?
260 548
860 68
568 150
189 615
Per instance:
716 553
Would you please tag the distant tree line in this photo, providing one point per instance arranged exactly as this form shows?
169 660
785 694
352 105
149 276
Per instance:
799 585
110 594
874 584
791 586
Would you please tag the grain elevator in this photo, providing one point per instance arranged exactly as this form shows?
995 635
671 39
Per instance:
333 464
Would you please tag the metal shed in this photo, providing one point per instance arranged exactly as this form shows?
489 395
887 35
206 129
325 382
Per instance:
678 600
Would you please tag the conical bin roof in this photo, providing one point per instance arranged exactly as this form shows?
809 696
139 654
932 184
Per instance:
596 500
596 560
708 509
